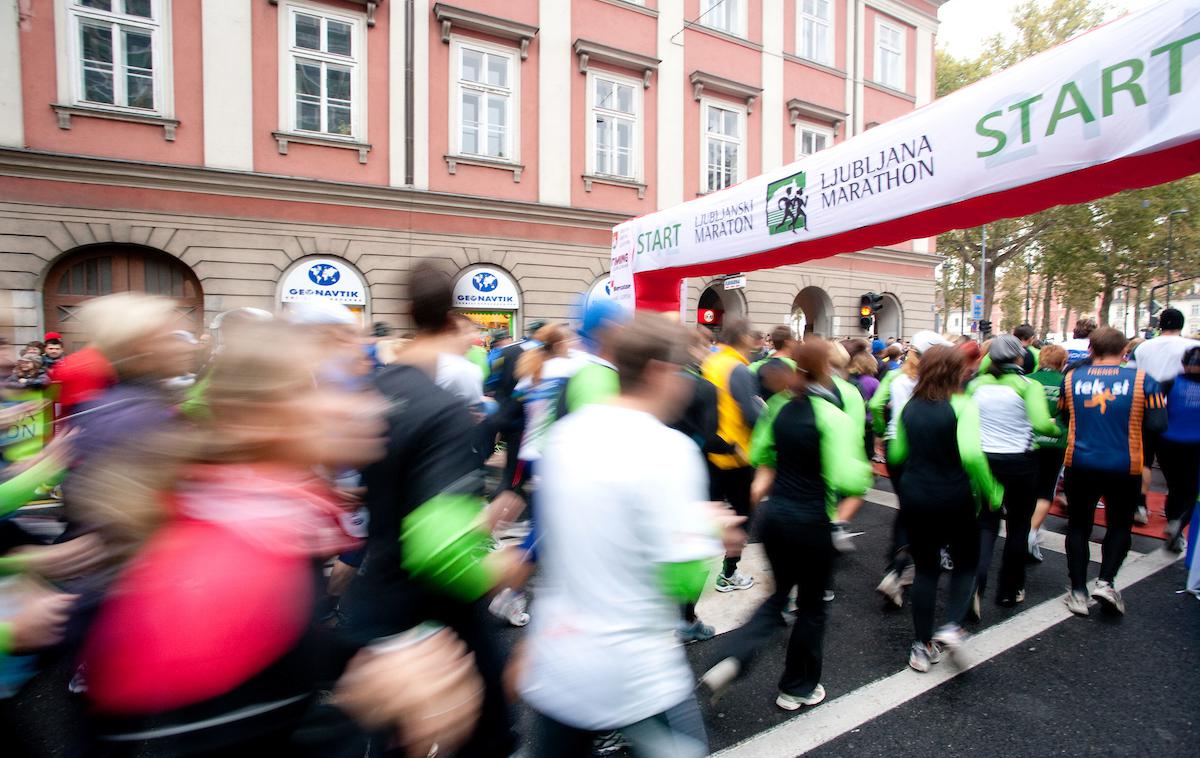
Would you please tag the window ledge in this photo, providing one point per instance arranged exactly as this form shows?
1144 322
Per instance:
590 52
727 36
590 179
66 112
702 81
450 16
627 5
371 6
880 87
283 138
814 64
799 108
453 161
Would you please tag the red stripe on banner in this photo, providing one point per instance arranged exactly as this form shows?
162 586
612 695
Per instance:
659 290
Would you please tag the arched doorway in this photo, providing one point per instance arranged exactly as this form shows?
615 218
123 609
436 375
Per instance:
889 321
100 270
812 313
717 304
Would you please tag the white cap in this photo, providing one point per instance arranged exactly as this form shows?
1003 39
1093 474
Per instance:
923 340
321 313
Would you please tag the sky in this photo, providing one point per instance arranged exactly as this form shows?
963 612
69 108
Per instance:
967 23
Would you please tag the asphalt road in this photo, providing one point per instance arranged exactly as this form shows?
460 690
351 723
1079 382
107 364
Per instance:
1064 686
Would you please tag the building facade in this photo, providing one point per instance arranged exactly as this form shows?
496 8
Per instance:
257 152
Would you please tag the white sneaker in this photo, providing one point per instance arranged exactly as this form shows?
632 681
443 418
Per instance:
891 588
1077 603
794 702
949 639
1142 515
1108 597
842 541
510 606
736 581
718 678
919 658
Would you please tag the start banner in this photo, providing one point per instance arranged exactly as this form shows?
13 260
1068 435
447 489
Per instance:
1116 108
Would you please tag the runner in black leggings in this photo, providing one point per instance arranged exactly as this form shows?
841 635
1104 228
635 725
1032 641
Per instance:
809 457
945 471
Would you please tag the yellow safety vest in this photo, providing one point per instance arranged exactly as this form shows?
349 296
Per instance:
731 427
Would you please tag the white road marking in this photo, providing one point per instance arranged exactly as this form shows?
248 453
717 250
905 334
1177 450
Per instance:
850 711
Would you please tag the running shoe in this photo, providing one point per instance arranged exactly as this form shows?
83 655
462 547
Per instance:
947 561
794 702
735 581
1008 601
1108 597
609 743
1077 602
949 639
891 588
697 631
920 658
842 541
718 678
510 606
907 575
828 596
1141 515
1174 536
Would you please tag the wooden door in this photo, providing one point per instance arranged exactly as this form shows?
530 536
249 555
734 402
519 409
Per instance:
106 269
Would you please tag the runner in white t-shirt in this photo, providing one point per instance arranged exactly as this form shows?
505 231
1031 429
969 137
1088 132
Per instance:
625 537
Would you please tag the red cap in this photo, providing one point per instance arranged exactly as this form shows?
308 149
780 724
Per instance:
53 336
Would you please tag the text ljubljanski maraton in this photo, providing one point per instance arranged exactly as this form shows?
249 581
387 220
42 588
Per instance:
1121 86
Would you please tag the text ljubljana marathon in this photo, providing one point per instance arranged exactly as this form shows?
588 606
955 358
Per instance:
894 167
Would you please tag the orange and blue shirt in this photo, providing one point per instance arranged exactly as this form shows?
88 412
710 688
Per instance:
1107 408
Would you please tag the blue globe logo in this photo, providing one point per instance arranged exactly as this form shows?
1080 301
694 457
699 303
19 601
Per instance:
485 282
324 274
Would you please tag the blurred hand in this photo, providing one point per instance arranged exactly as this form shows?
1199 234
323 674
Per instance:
429 693
65 560
729 524
41 621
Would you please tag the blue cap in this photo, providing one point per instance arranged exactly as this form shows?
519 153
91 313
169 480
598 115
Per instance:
599 315
878 346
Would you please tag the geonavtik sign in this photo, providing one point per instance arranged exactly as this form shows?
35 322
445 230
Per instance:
1116 108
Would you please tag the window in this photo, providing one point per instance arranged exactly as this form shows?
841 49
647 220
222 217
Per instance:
816 31
889 55
722 146
324 53
726 15
1196 310
615 137
117 61
483 97
811 140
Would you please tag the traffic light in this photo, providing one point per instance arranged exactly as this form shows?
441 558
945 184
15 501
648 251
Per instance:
869 304
985 328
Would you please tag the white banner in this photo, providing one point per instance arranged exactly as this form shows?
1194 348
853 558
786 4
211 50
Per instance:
324 279
1129 88
486 289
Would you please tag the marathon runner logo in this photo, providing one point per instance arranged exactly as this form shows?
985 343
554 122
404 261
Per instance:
786 205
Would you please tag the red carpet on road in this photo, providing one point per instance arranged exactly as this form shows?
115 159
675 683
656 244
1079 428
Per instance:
1155 501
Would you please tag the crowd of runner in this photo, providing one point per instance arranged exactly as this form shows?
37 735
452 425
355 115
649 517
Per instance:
288 538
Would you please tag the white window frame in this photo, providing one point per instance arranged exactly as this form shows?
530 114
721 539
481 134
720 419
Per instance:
513 136
741 11
69 15
802 127
357 62
635 159
743 137
830 36
902 52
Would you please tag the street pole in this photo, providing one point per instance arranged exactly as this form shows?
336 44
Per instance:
1028 284
962 293
1170 242
983 275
